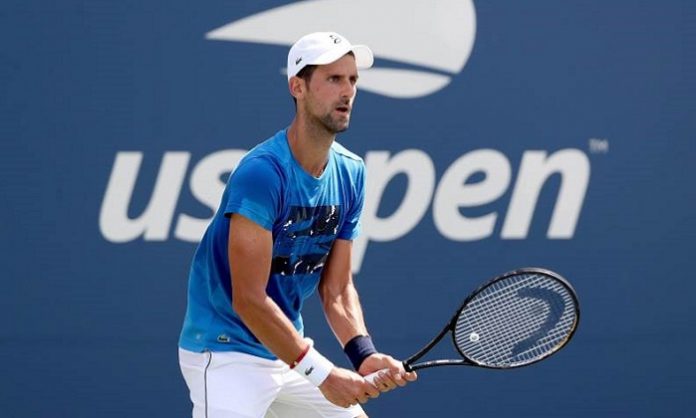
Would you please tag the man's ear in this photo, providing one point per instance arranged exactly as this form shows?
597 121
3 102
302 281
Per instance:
297 87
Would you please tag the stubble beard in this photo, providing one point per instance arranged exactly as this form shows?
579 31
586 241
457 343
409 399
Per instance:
334 125
328 122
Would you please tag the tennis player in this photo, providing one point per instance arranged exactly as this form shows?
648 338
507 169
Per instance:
284 228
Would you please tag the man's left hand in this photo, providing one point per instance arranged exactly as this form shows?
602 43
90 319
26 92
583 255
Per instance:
392 375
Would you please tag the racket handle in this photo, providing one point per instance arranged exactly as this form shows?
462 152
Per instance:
372 376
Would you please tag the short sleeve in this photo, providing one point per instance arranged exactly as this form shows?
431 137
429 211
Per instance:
351 226
255 192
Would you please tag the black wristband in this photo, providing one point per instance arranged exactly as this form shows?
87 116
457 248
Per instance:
358 349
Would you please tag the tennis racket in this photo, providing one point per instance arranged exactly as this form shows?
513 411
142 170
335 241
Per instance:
511 321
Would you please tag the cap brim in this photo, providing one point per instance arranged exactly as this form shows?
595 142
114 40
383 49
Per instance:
363 56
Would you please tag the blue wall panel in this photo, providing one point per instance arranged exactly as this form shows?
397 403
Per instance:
91 314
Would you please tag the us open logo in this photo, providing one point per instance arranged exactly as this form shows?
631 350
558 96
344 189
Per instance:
419 46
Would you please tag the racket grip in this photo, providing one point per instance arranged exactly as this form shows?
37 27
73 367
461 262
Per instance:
372 376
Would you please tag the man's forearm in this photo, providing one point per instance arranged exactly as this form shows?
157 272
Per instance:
344 312
270 325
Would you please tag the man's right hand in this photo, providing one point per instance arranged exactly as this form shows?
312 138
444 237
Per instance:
345 388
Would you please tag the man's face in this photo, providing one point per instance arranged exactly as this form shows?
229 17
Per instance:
330 94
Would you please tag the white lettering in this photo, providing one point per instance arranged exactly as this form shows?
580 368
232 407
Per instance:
535 169
454 192
154 222
420 171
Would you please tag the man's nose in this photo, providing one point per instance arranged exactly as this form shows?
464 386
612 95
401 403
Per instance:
348 90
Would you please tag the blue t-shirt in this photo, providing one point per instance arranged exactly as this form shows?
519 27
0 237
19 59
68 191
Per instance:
305 215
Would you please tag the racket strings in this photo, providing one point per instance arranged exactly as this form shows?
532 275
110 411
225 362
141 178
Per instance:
500 326
513 324
516 320
500 336
515 313
523 320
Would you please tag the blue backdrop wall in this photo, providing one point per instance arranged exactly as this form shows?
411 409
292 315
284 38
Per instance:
497 135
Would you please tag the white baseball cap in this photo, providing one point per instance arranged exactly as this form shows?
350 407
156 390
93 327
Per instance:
320 48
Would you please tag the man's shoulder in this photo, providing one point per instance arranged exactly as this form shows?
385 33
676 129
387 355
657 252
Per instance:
345 152
266 161
270 151
272 146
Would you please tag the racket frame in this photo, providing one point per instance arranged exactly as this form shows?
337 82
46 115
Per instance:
410 365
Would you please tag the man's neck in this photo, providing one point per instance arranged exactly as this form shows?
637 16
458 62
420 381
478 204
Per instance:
310 145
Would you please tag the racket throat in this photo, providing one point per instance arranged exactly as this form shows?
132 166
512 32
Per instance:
411 360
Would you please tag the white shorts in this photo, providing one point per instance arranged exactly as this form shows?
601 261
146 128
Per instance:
237 385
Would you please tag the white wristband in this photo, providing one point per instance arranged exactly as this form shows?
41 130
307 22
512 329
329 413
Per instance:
313 366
